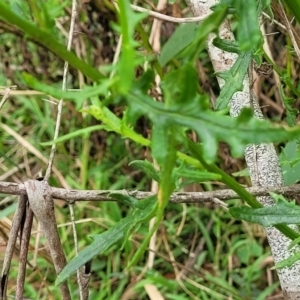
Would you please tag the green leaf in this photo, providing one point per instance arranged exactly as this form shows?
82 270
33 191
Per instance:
180 89
192 176
180 39
265 3
55 8
248 32
248 250
45 12
145 81
290 111
125 199
212 127
113 123
226 45
146 167
102 242
126 66
281 213
294 243
242 173
290 164
233 79
42 37
191 37
209 25
234 185
85 132
268 292
196 175
49 21
166 187
160 141
78 97
8 210
221 282
288 262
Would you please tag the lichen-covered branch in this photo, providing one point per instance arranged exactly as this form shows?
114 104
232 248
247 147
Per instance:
261 159
12 188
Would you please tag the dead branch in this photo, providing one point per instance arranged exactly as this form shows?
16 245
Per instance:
16 224
71 196
41 204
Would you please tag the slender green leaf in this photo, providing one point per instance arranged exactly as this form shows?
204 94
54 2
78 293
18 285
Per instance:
8 210
102 242
180 39
288 262
146 167
266 6
197 175
189 39
209 25
125 199
294 243
79 132
242 173
113 123
79 97
281 213
160 141
268 291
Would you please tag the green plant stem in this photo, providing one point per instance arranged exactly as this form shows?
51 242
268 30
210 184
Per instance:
166 187
48 41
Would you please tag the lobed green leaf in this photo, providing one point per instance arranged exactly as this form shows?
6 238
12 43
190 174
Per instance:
233 79
212 127
281 213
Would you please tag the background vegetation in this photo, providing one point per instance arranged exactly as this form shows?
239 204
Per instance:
219 257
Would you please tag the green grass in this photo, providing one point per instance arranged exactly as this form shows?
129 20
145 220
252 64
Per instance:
231 257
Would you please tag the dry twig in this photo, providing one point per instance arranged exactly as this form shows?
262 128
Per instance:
12 188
